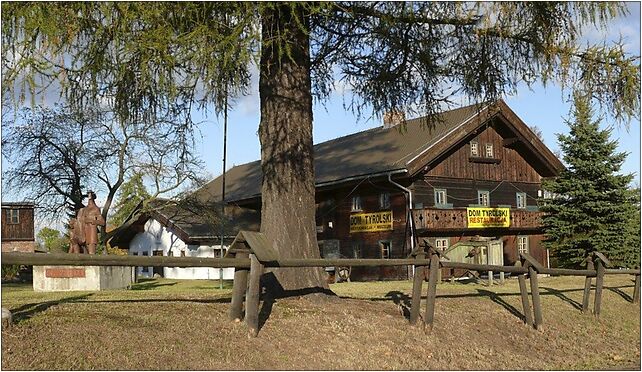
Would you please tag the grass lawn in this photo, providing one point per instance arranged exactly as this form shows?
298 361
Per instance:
177 324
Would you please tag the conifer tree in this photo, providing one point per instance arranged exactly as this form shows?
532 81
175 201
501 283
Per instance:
131 194
592 208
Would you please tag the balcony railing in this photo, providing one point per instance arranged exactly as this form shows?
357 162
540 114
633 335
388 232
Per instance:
456 219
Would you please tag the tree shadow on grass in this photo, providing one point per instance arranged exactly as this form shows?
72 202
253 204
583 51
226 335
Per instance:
559 294
27 311
147 284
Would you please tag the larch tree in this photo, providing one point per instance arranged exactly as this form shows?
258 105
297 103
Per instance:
394 56
593 208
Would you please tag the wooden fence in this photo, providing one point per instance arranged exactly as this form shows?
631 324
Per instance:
250 262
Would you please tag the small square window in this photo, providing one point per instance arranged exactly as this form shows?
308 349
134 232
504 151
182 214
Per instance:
386 247
474 148
441 244
356 203
522 244
384 200
521 200
489 150
483 198
441 197
13 216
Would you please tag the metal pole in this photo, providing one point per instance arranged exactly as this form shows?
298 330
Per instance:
220 270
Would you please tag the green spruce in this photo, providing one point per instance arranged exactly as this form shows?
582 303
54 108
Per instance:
592 208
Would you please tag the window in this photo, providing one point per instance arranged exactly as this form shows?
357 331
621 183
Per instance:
483 198
522 244
474 148
440 197
386 247
356 203
12 216
384 200
182 253
521 199
489 150
441 244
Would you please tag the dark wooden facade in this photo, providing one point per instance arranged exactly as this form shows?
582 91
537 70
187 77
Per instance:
503 175
18 227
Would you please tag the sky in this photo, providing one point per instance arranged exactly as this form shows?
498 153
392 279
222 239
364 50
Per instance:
547 108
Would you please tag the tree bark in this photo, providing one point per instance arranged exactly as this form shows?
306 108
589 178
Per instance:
285 132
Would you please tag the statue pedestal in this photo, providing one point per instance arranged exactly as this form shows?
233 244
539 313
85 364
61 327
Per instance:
82 278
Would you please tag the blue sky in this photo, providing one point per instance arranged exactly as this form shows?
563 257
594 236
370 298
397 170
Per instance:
546 108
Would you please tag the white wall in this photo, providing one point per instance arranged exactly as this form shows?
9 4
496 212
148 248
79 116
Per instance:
158 237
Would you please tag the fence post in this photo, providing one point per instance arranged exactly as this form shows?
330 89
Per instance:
599 283
417 281
636 289
238 290
432 288
252 296
587 285
537 306
528 316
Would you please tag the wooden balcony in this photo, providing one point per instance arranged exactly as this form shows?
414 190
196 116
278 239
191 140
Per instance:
456 220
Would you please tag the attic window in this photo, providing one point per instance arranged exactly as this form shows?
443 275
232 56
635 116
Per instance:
474 148
489 150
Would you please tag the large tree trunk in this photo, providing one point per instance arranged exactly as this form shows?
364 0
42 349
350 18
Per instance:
285 132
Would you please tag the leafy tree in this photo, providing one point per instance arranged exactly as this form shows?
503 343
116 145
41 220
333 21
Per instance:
394 56
53 240
57 154
132 193
593 209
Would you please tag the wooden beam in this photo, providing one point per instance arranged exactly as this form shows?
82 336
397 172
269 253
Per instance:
599 283
508 142
537 305
417 282
528 317
587 285
636 290
432 290
252 297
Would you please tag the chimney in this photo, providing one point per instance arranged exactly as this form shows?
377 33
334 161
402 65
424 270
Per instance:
393 118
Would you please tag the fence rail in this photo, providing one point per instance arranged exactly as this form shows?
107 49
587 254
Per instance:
249 269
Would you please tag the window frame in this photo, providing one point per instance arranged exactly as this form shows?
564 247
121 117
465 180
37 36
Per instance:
442 246
384 200
357 203
480 200
492 151
522 196
437 192
523 244
474 148
388 251
10 216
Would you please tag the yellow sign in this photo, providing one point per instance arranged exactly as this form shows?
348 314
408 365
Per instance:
488 217
367 222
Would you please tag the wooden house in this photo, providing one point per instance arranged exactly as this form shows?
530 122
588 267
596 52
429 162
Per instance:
472 172
18 227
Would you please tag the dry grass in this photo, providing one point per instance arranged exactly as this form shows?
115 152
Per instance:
170 324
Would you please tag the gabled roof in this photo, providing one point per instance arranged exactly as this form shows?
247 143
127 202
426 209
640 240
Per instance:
190 220
382 150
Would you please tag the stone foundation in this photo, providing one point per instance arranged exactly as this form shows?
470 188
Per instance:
18 246
81 278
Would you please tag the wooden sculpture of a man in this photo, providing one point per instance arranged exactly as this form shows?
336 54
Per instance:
84 228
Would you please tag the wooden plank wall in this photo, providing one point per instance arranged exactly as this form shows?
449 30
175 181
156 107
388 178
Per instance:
23 230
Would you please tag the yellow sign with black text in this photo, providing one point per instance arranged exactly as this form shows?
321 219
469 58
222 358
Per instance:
488 217
368 222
